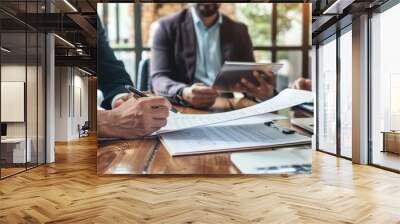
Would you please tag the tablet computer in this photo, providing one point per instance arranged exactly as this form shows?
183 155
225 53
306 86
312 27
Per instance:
232 72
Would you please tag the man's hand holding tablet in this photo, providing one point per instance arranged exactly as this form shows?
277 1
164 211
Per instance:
254 79
263 91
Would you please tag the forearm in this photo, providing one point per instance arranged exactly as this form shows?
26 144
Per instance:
165 86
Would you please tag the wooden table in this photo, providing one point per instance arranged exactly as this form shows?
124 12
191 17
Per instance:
391 141
149 156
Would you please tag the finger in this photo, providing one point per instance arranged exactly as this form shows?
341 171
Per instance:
202 96
261 81
160 113
205 95
158 123
198 84
118 103
205 90
303 84
239 88
157 101
152 130
308 84
247 84
203 101
264 78
127 97
204 105
245 89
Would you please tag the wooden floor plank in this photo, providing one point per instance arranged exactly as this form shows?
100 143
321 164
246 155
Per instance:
70 191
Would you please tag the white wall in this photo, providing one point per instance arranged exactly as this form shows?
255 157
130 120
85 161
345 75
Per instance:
71 103
34 125
14 73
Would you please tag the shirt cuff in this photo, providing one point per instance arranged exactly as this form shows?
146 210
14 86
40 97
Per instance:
116 97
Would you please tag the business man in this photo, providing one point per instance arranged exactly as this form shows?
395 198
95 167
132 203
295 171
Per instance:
188 50
124 116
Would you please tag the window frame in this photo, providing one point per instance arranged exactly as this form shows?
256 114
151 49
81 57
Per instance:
25 30
381 9
333 36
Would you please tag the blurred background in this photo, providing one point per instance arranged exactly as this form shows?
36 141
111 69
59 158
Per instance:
280 32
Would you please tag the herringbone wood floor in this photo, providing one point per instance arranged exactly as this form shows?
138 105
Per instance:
70 192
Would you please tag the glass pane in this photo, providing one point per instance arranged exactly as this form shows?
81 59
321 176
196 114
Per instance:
327 97
290 19
151 13
346 94
385 84
31 99
258 18
13 73
263 56
292 64
128 57
118 20
41 99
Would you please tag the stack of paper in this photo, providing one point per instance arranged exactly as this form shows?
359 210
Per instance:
187 134
285 99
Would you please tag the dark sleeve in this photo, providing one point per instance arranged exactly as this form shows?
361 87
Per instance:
246 45
112 76
162 65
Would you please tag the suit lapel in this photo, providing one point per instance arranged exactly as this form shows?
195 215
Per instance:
189 45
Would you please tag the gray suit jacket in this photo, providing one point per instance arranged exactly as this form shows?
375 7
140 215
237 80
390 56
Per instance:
173 56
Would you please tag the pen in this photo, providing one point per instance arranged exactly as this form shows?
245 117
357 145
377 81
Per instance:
141 94
281 129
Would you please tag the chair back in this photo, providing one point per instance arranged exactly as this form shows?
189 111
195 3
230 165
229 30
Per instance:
143 82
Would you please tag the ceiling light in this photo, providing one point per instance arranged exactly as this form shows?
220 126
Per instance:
5 50
337 7
65 41
71 6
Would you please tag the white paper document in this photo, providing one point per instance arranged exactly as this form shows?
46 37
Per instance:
258 119
221 138
285 99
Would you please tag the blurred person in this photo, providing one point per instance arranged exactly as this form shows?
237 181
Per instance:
188 50
123 115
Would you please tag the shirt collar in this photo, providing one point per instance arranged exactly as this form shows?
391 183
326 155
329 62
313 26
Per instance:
197 20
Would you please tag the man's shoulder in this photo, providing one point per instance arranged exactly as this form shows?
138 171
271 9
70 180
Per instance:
175 18
233 24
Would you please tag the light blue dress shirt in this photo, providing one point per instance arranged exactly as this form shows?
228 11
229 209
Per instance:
208 54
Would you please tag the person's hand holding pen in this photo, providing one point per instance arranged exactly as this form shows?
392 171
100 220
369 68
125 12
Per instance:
135 117
265 88
118 102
